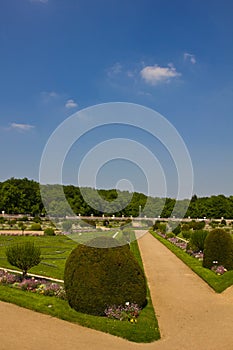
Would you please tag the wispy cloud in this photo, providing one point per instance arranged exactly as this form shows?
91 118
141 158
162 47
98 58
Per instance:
114 70
21 127
190 57
71 104
49 94
41 1
154 75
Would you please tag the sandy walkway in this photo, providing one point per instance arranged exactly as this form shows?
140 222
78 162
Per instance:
191 316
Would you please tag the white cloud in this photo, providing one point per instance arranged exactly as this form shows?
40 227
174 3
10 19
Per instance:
71 104
155 74
49 96
21 127
190 57
52 94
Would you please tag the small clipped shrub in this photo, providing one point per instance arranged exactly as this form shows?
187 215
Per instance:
218 249
197 239
12 222
35 227
22 226
160 226
24 256
49 231
37 219
186 227
156 225
198 225
2 220
97 278
23 218
186 234
213 224
170 235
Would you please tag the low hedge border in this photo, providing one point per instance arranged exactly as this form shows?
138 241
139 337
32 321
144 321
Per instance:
218 283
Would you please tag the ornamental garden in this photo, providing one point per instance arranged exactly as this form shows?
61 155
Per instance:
102 284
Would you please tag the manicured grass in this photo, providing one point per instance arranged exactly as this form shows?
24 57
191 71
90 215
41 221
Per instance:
144 331
54 251
218 283
83 237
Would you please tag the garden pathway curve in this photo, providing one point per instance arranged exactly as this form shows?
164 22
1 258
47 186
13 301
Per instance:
191 315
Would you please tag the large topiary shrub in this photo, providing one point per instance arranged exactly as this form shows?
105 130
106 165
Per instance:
218 249
96 278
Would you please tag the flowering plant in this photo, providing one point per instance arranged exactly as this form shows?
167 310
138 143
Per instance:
218 269
128 312
40 286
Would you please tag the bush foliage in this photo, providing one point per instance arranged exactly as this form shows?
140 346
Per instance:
36 227
218 249
24 256
96 278
197 239
49 231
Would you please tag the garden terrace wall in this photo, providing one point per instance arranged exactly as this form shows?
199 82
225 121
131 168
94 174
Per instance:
20 233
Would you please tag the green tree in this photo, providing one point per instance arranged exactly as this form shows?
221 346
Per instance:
24 256
22 226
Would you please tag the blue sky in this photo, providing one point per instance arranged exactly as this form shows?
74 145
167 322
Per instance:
176 57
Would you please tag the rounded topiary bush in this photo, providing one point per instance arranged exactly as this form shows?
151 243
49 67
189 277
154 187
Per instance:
96 278
49 231
35 227
219 249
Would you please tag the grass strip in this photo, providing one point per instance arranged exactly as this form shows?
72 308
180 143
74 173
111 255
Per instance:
218 282
144 331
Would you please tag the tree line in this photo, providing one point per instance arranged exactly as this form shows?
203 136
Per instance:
23 196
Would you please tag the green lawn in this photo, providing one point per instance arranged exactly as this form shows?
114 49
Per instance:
218 283
55 250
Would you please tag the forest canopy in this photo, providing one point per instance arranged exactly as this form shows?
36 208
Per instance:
23 196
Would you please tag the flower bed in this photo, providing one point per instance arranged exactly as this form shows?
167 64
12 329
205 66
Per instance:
40 286
219 269
129 312
182 244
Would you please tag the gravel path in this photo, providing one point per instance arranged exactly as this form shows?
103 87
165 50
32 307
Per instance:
191 316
